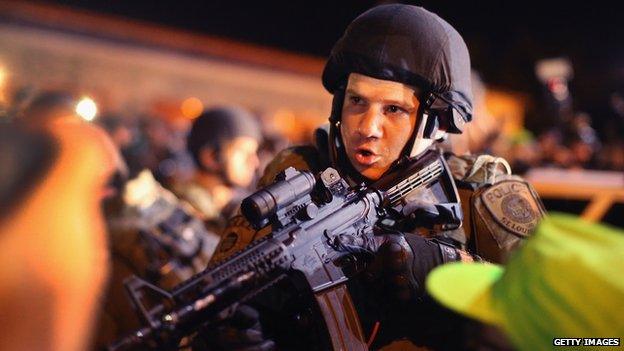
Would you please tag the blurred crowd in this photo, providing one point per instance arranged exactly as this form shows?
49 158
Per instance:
152 195
564 137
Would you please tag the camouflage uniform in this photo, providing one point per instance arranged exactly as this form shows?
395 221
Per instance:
499 209
202 200
138 246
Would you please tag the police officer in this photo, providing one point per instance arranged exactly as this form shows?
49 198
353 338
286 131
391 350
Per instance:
223 143
400 77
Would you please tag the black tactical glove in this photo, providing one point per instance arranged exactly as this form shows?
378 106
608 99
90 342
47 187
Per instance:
241 332
402 263
395 284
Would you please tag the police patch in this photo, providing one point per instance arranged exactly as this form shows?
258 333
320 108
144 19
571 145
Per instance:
513 206
237 235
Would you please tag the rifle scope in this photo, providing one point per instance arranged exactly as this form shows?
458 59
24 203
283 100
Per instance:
267 201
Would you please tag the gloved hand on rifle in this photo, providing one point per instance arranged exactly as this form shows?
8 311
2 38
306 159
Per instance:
395 283
241 332
402 262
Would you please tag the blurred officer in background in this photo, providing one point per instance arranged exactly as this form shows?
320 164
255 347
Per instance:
566 282
164 239
223 142
125 134
53 252
400 76
155 236
49 105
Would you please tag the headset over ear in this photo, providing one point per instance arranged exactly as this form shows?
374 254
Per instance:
335 142
337 102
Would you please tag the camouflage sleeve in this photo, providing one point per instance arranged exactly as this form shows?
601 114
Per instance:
238 232
504 214
199 199
500 209
302 158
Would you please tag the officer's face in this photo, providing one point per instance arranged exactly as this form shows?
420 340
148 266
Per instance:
378 118
241 160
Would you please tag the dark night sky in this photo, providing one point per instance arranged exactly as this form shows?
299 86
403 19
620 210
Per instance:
505 38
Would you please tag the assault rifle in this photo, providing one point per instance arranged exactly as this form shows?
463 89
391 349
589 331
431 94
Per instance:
319 228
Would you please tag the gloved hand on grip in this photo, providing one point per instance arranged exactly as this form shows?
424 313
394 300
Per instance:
395 283
402 263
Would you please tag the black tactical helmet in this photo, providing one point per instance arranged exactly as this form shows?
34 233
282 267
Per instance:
410 45
216 126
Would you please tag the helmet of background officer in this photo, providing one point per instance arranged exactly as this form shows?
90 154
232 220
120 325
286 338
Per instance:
225 140
400 76
49 106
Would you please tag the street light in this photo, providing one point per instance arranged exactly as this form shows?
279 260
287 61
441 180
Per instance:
86 109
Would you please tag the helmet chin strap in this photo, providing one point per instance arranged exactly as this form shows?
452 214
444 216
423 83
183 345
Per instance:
335 141
427 129
427 132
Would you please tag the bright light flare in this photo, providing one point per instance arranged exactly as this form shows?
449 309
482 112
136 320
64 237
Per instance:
192 108
86 109
3 85
3 76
